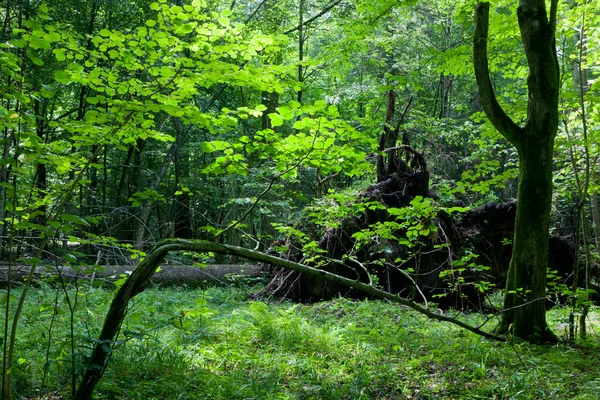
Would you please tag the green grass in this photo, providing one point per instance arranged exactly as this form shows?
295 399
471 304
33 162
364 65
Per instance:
215 344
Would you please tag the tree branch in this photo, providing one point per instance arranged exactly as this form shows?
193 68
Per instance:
553 11
140 279
311 19
501 121
401 119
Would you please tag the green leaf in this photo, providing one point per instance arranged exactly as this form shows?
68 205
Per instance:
52 36
216 145
37 61
59 54
74 219
4 299
62 76
286 113
39 43
276 120
185 29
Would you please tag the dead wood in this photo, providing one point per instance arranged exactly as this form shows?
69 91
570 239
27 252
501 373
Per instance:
169 275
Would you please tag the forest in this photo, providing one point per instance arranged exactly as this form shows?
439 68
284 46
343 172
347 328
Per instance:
300 199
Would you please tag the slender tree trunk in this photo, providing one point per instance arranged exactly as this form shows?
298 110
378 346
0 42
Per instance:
301 40
595 205
125 172
182 227
41 181
141 224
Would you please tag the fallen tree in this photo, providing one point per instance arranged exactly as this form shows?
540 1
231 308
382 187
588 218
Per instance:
142 275
168 275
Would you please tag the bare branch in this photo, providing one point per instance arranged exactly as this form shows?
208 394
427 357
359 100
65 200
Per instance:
401 119
402 147
311 19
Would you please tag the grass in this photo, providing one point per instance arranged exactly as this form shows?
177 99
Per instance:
215 344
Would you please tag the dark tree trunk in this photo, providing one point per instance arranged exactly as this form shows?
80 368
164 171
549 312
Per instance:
141 223
271 101
182 225
526 283
301 41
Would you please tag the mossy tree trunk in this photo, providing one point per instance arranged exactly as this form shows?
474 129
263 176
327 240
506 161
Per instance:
525 314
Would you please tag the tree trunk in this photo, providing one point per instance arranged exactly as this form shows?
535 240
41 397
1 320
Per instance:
595 205
525 299
301 41
525 314
182 226
141 225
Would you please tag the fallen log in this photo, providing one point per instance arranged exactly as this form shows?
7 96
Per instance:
169 275
141 276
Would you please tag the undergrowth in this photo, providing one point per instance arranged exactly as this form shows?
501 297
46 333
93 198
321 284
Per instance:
216 344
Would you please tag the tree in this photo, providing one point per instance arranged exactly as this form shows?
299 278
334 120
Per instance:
525 314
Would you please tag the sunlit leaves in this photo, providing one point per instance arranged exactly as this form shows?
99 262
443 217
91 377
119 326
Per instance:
314 138
133 76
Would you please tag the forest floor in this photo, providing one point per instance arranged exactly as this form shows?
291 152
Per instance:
216 344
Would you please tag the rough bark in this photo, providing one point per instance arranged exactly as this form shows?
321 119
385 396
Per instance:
526 283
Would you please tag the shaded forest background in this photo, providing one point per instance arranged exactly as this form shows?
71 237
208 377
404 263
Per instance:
129 122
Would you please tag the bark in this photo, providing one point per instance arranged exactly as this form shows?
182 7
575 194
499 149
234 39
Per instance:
388 142
41 173
301 40
271 101
141 276
526 282
169 275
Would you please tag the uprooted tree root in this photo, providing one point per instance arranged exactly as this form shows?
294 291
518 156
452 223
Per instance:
402 178
486 230
141 276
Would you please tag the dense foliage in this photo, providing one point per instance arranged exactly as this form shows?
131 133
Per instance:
261 124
